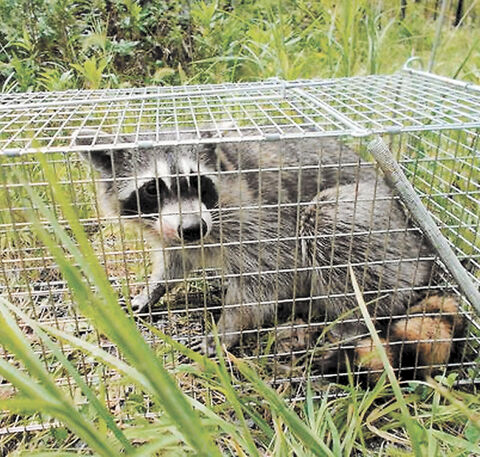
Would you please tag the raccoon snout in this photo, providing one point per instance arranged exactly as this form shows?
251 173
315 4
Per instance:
193 231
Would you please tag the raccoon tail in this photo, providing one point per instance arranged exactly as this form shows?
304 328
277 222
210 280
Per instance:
430 337
417 345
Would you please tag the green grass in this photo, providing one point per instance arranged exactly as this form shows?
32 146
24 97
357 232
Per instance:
62 44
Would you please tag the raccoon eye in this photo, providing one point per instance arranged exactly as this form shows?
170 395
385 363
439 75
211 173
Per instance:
150 190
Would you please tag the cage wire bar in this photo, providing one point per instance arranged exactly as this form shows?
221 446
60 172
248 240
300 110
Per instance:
429 123
400 183
408 101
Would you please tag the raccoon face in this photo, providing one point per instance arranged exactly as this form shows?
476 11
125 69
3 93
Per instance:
168 189
178 208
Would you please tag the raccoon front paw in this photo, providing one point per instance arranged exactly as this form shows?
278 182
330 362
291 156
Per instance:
139 302
208 345
146 299
295 336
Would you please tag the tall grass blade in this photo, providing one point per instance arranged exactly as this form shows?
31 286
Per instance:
277 404
416 432
40 387
211 369
107 315
467 58
232 397
93 400
457 442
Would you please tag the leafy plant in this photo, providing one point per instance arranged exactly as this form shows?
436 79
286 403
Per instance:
217 41
92 71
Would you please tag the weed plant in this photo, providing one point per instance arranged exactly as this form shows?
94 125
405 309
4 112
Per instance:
63 44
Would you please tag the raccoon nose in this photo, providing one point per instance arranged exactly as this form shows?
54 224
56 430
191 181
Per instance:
193 232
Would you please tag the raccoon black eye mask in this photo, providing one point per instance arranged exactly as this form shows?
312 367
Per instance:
152 195
256 245
147 201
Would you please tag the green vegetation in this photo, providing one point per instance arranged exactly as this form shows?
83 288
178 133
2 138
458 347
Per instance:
165 399
62 44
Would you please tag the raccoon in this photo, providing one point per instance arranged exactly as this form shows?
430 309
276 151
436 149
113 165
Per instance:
281 220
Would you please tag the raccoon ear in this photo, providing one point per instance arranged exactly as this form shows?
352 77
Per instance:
100 159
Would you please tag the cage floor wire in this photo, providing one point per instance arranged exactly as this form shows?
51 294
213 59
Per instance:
430 123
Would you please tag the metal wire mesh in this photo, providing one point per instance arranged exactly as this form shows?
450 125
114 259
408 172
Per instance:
407 101
276 171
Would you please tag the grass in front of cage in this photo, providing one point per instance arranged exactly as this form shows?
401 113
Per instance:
193 403
354 422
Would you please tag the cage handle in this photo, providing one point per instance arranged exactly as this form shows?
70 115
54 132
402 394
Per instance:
405 190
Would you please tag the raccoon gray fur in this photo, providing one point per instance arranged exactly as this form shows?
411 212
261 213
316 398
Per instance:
273 248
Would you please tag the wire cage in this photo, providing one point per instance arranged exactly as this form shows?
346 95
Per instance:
252 201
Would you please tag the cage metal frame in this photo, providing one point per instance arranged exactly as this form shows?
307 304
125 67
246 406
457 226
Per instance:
354 106
406 104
